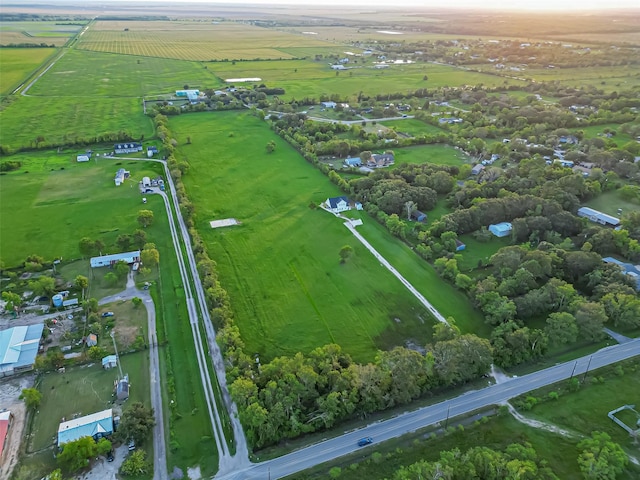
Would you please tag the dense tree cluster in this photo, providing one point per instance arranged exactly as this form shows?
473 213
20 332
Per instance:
294 395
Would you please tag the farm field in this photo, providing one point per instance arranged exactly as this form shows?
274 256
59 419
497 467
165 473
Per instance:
84 390
58 196
18 64
59 119
281 266
605 78
309 78
186 40
104 75
437 153
36 33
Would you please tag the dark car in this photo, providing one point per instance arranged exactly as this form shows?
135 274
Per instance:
365 441
110 456
107 314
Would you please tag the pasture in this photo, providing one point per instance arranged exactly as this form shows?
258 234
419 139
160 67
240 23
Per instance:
281 266
412 127
311 78
18 64
52 202
605 78
200 41
610 202
84 390
595 131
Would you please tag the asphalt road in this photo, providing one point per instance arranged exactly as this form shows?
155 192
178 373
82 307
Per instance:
431 415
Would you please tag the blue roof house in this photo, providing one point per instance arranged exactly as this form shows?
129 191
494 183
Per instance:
110 361
628 268
501 229
353 162
18 348
96 425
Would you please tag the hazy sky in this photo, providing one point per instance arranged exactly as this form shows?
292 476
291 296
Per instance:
575 5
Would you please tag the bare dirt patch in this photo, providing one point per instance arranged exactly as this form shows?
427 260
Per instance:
10 390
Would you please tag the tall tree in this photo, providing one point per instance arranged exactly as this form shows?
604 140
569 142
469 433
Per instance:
145 218
82 282
601 458
136 423
561 328
32 398
77 454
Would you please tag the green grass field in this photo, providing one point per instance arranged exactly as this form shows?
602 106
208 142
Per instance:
84 390
413 127
59 201
605 78
36 33
479 251
596 131
610 202
18 64
281 266
437 153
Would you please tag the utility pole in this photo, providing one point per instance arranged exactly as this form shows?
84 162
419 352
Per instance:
113 337
587 370
446 422
574 369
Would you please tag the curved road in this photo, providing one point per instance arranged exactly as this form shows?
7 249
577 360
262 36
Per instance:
159 440
427 416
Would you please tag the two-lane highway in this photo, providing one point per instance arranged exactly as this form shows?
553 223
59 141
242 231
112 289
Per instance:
431 415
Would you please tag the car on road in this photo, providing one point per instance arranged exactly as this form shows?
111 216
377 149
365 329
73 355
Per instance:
110 456
107 314
365 441
148 190
131 445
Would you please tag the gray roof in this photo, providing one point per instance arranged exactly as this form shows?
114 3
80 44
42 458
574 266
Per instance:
628 268
104 260
597 216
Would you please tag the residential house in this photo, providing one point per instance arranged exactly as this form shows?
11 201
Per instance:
381 160
338 204
329 104
109 260
598 217
190 94
96 425
91 340
121 176
628 268
18 348
502 229
338 67
418 216
110 361
127 147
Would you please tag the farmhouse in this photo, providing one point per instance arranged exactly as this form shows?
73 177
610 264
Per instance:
5 423
418 216
381 160
628 268
96 425
338 204
110 361
120 177
109 260
18 348
501 229
127 147
598 217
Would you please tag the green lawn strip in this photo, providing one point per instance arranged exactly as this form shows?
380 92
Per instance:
477 251
19 63
302 297
449 301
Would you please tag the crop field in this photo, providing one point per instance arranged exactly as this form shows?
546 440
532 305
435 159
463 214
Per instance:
60 118
605 78
58 198
281 266
18 64
103 75
438 154
84 390
312 79
631 38
193 40
36 33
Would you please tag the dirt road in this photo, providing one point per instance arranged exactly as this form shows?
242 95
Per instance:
10 390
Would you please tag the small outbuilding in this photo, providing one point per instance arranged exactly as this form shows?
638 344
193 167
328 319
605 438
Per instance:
110 361
419 216
501 229
109 260
91 340
122 388
82 158
460 246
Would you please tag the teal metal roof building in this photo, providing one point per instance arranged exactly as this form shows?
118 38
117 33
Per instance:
96 425
18 348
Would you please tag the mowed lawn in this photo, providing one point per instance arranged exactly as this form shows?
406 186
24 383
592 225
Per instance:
84 390
610 202
413 127
49 209
438 153
288 290
18 64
